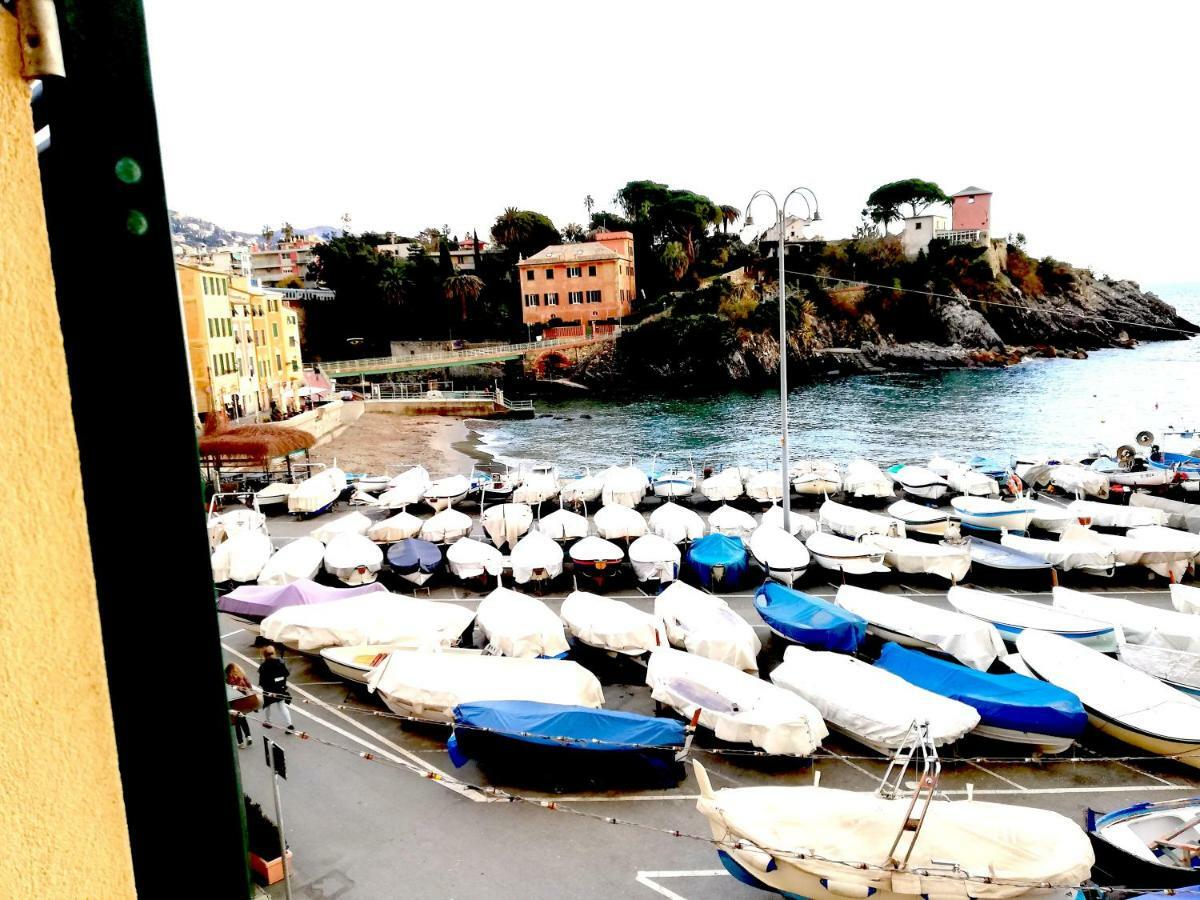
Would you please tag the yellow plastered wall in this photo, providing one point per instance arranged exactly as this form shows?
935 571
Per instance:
62 821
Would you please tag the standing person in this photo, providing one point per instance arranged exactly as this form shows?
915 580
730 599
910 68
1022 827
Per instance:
272 678
240 687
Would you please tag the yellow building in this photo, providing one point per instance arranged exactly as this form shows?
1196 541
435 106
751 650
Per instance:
212 350
281 369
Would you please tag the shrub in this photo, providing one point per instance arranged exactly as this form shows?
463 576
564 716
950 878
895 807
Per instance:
262 835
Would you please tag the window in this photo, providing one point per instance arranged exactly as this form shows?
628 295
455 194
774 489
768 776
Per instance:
531 300
529 274
622 295
275 329
229 327
291 342
278 362
593 296
574 272
552 299
917 226
549 274
970 199
575 297
214 365
592 270
210 328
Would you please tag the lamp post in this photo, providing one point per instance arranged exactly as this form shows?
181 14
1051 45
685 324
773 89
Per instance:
813 215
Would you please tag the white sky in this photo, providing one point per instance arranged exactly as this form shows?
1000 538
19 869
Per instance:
1080 117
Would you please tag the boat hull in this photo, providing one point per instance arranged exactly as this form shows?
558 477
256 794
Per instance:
1043 743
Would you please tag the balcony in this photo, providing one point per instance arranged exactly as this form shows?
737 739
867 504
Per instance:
961 236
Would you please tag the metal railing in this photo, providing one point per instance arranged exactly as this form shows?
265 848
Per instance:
410 392
960 236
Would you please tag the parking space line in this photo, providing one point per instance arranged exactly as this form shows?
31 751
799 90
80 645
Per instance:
641 798
976 765
232 633
1145 774
648 879
1093 789
853 765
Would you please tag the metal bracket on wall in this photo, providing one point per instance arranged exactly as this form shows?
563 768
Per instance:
37 30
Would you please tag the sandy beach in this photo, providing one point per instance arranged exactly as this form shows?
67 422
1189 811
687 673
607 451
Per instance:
377 440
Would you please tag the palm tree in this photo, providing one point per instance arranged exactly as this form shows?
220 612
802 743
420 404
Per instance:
588 203
287 232
509 229
674 259
729 215
573 233
266 234
462 289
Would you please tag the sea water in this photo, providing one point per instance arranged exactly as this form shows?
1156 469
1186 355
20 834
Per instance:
1056 407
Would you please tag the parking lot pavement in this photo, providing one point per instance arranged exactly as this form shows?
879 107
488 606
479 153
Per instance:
377 828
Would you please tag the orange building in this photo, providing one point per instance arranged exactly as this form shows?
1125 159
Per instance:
579 283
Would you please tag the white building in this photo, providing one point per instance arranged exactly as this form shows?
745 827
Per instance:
920 230
793 230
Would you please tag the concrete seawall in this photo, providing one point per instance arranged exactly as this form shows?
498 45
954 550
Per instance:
466 409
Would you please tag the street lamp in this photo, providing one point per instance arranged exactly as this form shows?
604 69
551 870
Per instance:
814 215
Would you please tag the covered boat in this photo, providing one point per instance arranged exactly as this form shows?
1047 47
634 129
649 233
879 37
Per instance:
865 479
1076 548
539 483
580 489
317 493
623 486
1140 624
1164 551
255 602
919 481
1050 517
919 519
735 706
1185 516
894 617
1121 701
993 514
504 524
703 624
235 521
910 557
519 625
414 560
654 558
1111 515
471 559
368 618
868 703
676 523
242 557
1136 474
610 625
838 554
617 522
405 489
816 477
718 562
1079 481
852 522
676 483
964 479
353 559
446 527
1186 598
596 560
1178 668
808 619
1149 845
724 486
729 520
553 742
401 526
781 556
536 559
355 662
350 523
1001 559
766 487
563 525
1185 467
1012 708
428 686
829 844
297 560
275 493
1011 615
799 524
445 492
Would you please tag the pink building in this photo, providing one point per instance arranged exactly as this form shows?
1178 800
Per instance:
972 210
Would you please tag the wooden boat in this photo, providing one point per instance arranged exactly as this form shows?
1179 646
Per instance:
809 620
354 663
1011 615
536 559
920 520
623 486
472 560
596 561
992 514
1148 844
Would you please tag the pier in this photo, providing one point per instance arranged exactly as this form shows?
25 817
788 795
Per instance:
420 400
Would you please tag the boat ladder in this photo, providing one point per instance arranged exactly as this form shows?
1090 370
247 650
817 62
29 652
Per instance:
917 745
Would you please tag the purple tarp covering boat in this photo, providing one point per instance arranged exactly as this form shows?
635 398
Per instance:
257 601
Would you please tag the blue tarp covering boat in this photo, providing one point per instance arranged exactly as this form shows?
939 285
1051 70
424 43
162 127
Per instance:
998 467
809 620
414 556
1010 702
579 741
718 560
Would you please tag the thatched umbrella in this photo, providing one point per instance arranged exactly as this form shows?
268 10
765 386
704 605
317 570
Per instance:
249 444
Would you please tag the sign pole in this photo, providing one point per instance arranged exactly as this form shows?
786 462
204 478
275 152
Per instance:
275 760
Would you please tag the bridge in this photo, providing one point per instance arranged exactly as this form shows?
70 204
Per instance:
449 359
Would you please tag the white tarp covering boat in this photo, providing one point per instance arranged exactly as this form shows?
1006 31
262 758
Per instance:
729 520
1076 548
275 492
1050 516
405 489
563 525
518 625
584 489
1178 668
610 624
617 521
350 523
1079 481
736 706
355 663
294 561
993 514
1001 848
1141 624
445 492
241 558
1171 540
1110 515
676 523
1164 551
1181 515
724 486
919 518
703 624
353 558
1011 615
429 685
919 481
317 492
506 522
623 486
839 554
868 703
911 557
814 477
799 524
781 556
654 558
853 523
1186 598
765 487
469 558
376 618
592 550
446 527
235 521
865 479
677 483
415 475
401 526
537 486
1121 701
894 617
536 558
963 479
